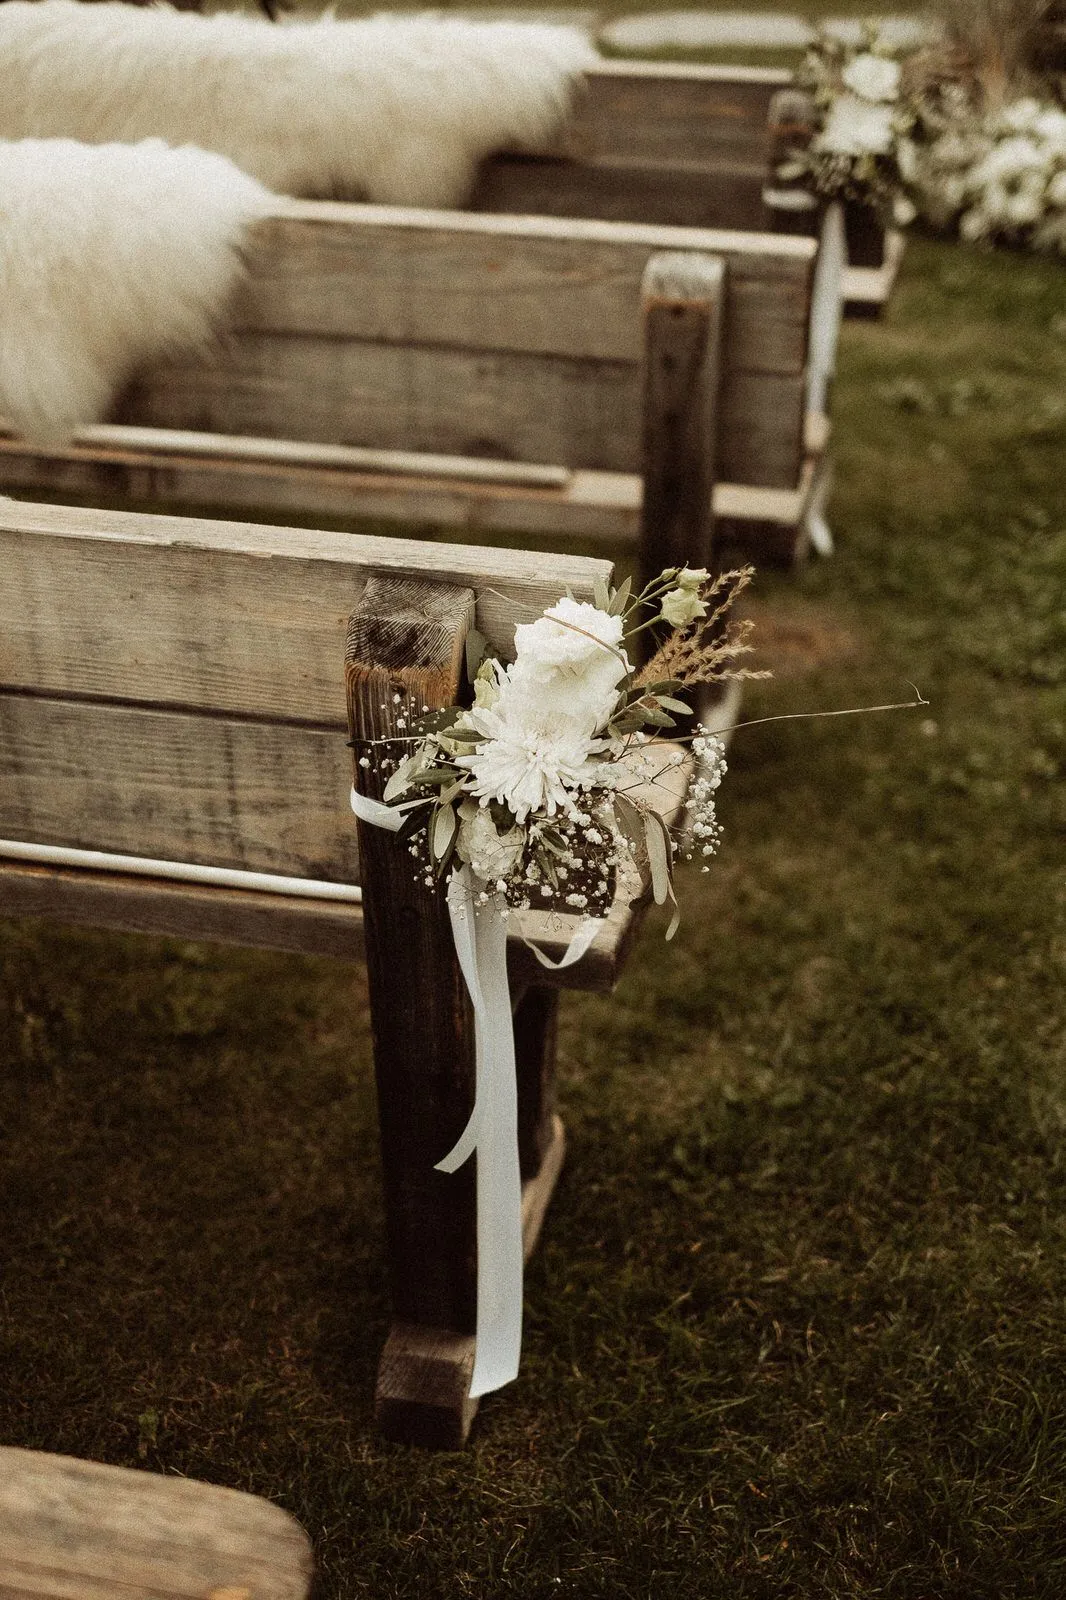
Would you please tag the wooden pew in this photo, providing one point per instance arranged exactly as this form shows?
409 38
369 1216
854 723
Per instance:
492 373
173 760
688 146
78 1530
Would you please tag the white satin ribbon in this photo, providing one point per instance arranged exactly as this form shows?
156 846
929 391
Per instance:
479 930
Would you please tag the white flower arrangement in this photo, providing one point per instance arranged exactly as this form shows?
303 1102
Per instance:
527 786
861 116
997 177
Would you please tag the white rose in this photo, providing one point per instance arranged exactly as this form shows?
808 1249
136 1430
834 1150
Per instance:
854 127
568 663
492 855
682 606
872 77
568 637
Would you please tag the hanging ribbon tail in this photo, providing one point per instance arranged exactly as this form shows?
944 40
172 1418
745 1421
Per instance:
480 935
479 931
463 919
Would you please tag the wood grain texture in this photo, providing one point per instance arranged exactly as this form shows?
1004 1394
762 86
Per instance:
151 906
216 790
406 639
535 285
675 112
526 408
78 1530
672 193
683 319
235 618
593 505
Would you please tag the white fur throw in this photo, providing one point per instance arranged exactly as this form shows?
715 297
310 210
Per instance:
111 256
396 110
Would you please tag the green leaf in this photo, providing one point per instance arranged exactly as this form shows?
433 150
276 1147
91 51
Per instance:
476 650
442 831
657 718
669 704
601 595
630 819
400 779
657 842
675 919
414 820
621 598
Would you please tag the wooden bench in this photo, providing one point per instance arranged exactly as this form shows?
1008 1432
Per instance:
688 146
515 374
77 1530
172 699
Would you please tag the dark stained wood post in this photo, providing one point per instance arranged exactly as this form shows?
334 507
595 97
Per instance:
535 1027
791 122
682 295
406 639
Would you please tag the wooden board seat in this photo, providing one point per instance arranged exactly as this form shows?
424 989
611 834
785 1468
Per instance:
80 1530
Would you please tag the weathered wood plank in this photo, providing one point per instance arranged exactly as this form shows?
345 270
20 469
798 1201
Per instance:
529 284
592 506
243 619
212 790
675 112
127 904
518 407
683 319
79 1530
674 193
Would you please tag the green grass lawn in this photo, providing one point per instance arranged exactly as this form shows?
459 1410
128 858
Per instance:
797 1326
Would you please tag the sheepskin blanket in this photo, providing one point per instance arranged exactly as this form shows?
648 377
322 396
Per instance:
111 257
395 110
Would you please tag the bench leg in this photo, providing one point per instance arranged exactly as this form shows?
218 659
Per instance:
405 648
423 1388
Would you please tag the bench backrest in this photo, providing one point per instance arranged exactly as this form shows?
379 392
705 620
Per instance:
652 142
174 688
518 338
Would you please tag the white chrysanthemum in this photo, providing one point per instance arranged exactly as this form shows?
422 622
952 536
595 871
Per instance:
534 762
856 127
872 77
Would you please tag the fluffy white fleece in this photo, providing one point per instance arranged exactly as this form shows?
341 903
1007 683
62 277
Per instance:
111 256
396 110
